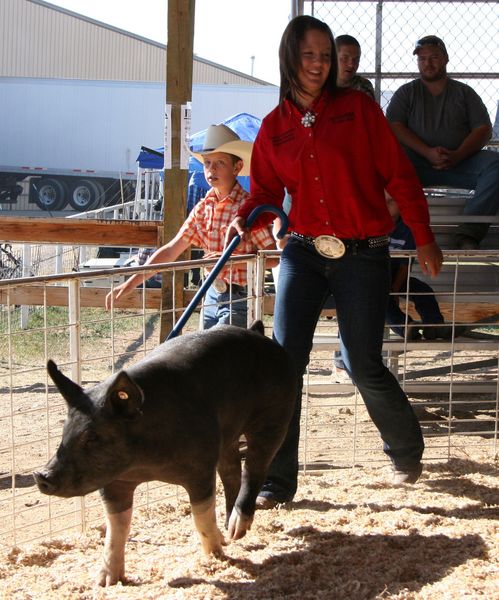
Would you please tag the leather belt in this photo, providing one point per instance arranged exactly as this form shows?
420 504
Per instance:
336 247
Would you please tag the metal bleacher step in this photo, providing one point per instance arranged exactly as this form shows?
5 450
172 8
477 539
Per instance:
422 387
396 347
446 207
331 342
476 281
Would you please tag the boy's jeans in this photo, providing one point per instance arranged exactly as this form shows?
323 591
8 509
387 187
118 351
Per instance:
360 285
226 308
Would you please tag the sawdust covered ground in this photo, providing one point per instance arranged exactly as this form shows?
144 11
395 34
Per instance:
347 535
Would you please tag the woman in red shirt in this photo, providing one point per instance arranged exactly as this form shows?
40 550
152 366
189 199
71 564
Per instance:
334 153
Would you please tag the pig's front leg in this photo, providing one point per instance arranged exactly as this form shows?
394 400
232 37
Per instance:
118 499
263 443
205 519
113 560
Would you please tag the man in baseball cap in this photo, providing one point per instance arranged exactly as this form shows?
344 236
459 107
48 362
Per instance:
444 125
430 40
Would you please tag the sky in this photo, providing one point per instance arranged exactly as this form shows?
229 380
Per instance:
224 30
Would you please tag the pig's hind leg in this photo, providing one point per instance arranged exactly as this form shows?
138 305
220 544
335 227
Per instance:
262 446
229 470
118 500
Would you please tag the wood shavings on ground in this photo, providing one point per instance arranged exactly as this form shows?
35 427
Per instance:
347 535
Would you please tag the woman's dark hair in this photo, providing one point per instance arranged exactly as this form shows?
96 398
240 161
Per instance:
290 59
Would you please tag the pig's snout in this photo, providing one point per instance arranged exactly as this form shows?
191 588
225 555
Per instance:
45 482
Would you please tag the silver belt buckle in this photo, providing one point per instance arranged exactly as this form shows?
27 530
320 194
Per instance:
329 246
220 286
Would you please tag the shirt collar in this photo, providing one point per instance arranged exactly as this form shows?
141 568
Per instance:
317 105
232 196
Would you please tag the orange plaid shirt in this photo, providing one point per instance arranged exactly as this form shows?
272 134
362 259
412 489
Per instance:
207 223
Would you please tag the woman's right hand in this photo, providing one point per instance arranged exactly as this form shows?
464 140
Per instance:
237 227
276 228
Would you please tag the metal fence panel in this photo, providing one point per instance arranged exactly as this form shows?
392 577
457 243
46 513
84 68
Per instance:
336 431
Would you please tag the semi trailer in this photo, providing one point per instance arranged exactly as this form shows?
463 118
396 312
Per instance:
76 141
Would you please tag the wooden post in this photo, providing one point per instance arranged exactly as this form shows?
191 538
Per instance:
179 61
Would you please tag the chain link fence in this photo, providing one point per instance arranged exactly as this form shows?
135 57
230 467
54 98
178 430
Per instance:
387 32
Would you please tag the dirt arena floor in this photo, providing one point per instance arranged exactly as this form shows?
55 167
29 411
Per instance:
347 535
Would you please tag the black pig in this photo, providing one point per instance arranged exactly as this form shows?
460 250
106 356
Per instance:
176 416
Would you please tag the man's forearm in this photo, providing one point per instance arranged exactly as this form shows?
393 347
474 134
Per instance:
474 142
408 138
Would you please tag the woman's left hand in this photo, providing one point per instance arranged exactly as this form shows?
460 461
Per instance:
430 258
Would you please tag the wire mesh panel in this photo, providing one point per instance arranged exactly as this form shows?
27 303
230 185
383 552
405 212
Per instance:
68 324
453 385
387 32
11 265
448 370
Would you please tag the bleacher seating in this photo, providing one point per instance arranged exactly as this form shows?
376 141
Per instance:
476 280
446 213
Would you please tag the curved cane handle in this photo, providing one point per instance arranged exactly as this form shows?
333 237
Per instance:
273 209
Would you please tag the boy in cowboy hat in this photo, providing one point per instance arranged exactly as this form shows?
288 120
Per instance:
224 156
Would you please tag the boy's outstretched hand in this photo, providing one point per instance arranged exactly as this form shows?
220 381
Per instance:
121 291
430 258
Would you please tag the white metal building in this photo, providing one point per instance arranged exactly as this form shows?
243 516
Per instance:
39 39
80 96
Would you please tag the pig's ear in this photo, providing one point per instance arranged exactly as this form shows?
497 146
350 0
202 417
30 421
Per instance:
124 397
70 391
258 326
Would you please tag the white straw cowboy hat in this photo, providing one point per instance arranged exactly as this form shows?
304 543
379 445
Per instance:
220 138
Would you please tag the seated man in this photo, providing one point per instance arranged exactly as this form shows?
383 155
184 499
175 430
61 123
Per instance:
348 49
443 125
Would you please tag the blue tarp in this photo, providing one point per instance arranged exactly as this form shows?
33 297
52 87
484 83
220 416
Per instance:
245 125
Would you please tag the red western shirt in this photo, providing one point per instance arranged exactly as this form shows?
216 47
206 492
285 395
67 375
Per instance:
337 170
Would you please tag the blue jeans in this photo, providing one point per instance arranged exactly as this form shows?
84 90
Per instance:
226 308
479 172
360 284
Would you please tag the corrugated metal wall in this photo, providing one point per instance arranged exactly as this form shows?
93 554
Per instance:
37 40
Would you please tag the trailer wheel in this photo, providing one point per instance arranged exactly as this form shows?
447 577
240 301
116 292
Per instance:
101 194
86 194
50 194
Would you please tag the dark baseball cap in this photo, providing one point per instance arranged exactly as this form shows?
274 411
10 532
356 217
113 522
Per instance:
430 40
